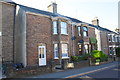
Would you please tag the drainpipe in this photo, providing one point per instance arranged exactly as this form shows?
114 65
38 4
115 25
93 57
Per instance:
73 51
14 33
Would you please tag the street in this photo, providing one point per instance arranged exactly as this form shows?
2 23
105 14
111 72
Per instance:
109 71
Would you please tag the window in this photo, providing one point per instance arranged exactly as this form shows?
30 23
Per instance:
116 38
85 31
109 37
110 50
63 28
86 48
80 49
79 31
56 51
64 50
55 30
113 38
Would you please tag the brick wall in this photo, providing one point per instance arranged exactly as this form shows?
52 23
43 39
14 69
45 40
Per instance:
7 31
38 31
104 42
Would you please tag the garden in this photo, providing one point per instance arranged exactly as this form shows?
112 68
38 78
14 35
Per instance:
95 56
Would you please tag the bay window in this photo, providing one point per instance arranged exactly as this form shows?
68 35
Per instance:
56 51
85 31
63 28
64 50
55 30
79 31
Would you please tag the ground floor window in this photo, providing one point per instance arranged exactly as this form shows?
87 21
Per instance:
86 48
64 50
55 51
79 49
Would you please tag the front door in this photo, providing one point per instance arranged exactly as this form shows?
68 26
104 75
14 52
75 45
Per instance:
42 55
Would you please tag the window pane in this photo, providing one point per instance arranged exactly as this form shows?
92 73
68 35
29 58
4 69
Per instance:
63 28
86 48
85 29
84 33
79 32
55 27
55 50
64 50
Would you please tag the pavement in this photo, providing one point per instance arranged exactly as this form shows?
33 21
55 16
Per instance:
73 72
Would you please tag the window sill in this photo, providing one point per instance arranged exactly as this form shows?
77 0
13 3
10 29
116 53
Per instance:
56 58
65 57
65 34
55 34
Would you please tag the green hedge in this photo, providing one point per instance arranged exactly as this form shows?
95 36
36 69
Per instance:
118 52
99 55
80 58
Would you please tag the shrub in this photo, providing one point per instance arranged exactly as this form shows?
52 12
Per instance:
80 58
118 52
99 55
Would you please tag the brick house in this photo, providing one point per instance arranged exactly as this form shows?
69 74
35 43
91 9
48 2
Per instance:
36 37
7 18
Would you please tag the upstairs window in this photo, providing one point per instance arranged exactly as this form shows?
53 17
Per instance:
55 30
113 38
79 31
63 28
109 38
85 31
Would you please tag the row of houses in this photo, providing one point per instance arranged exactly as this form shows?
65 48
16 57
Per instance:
34 37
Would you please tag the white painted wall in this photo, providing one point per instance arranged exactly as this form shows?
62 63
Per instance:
97 32
21 36
0 39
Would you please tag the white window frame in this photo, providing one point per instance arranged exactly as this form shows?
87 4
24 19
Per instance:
66 50
79 31
55 57
64 27
85 31
55 27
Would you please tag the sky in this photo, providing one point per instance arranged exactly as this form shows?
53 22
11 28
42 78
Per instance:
84 10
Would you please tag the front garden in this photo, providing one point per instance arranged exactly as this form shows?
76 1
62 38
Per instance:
95 57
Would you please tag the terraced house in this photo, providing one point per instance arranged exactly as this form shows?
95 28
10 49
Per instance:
35 37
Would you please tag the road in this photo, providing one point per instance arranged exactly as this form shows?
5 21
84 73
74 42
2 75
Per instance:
111 73
110 70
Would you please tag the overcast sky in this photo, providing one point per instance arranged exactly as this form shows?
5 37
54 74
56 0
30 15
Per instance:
84 10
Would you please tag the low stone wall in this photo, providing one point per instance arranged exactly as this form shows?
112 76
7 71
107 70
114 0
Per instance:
28 71
81 64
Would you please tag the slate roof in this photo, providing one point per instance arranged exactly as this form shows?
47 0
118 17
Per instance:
101 28
29 9
9 1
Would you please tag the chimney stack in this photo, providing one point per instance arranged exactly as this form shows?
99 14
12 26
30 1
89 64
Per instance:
95 21
52 7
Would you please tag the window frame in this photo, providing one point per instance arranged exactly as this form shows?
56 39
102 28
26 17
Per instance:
66 49
55 57
55 28
79 31
64 28
87 48
85 31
